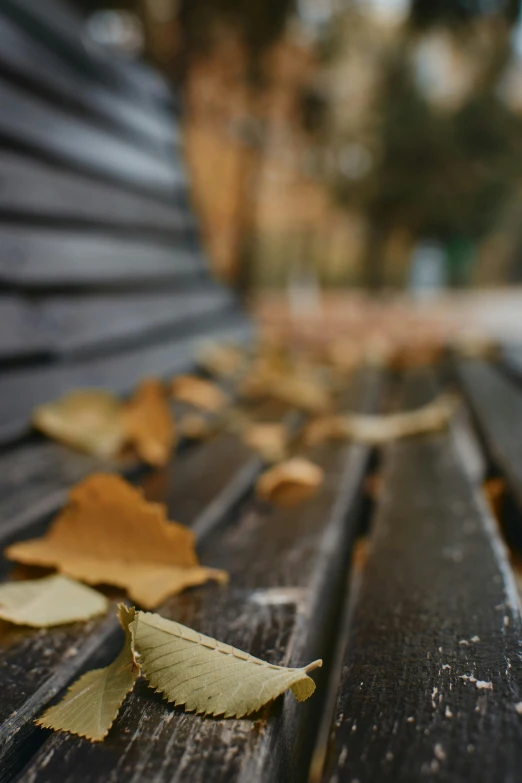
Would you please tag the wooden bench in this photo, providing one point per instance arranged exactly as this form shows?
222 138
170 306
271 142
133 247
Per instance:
103 283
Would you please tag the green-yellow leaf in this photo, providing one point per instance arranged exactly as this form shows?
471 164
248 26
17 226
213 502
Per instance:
92 703
54 600
207 676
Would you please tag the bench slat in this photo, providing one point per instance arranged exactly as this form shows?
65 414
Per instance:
48 256
34 190
23 389
31 122
286 570
497 404
431 675
23 57
64 325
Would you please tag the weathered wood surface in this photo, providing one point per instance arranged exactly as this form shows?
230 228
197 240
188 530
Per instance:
37 256
32 190
58 27
30 121
35 665
26 60
286 571
496 401
431 675
21 389
60 325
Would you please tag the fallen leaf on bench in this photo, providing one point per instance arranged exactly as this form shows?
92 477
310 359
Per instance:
92 703
269 440
376 430
149 423
290 483
53 600
109 534
297 390
220 359
207 676
325 428
90 420
199 393
196 426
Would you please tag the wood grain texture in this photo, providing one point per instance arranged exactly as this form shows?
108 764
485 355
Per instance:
31 121
22 389
431 675
32 190
35 666
61 326
496 402
286 570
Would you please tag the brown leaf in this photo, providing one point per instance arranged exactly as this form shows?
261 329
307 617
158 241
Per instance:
109 534
290 483
325 428
90 420
199 393
268 439
220 359
149 423
196 426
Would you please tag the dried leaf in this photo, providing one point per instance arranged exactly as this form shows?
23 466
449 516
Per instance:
269 440
53 600
109 534
219 359
196 426
325 428
207 676
376 430
90 420
92 703
149 423
199 393
300 391
290 483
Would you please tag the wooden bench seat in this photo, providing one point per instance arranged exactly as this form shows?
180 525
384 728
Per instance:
103 282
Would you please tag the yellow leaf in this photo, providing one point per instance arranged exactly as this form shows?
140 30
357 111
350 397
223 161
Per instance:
149 423
207 676
376 430
53 600
90 420
92 703
290 483
109 534
268 439
220 359
199 393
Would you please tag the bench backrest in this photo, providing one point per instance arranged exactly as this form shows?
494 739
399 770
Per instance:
102 276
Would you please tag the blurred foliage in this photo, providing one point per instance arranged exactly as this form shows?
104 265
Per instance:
428 12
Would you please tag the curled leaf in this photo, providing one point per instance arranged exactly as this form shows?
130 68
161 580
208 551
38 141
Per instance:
90 420
268 439
53 600
196 426
92 703
109 534
207 676
199 393
290 483
325 428
149 423
376 430
295 389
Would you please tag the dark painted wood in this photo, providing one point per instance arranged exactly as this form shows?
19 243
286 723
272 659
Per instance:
68 325
496 401
30 121
36 665
286 570
25 59
57 26
21 389
431 674
37 256
511 358
32 190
